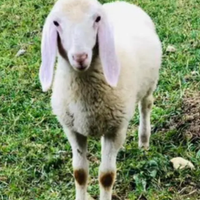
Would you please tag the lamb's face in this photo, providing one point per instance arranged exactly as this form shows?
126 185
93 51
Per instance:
78 29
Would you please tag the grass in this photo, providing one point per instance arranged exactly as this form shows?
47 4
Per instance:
35 156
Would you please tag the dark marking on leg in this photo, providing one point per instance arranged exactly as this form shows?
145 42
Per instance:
80 176
80 152
144 138
149 105
82 140
107 179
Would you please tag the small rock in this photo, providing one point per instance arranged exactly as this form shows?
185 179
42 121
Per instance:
171 48
181 163
20 52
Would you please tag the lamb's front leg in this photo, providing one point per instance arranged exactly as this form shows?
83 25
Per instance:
80 163
107 171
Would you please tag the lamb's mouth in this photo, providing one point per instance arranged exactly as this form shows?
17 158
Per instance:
81 68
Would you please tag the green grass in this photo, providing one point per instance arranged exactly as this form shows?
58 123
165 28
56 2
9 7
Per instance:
35 156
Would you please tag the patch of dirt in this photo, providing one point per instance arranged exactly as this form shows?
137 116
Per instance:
188 121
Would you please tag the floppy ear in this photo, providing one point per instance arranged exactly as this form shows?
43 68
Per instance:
48 52
111 67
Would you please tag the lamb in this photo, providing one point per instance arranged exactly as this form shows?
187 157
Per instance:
108 61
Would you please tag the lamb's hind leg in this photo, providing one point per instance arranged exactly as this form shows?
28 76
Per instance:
145 106
80 164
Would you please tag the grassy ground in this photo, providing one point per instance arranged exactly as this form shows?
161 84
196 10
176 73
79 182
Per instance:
35 157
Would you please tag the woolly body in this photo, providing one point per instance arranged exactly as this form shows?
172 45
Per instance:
85 102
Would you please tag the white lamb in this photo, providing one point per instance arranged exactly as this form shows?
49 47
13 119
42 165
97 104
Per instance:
108 61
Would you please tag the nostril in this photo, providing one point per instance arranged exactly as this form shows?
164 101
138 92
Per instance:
80 57
84 56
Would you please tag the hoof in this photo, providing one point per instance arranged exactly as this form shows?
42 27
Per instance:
144 146
89 197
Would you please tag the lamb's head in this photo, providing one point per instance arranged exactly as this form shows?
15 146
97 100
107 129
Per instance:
77 29
74 26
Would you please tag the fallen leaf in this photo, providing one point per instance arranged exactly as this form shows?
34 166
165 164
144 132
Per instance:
20 52
194 72
181 163
170 48
3 178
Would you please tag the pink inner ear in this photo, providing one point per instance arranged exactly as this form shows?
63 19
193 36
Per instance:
48 51
111 67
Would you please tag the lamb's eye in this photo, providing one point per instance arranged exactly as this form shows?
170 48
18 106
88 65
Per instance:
98 19
56 23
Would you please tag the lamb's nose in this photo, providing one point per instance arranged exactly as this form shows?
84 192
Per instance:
80 58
